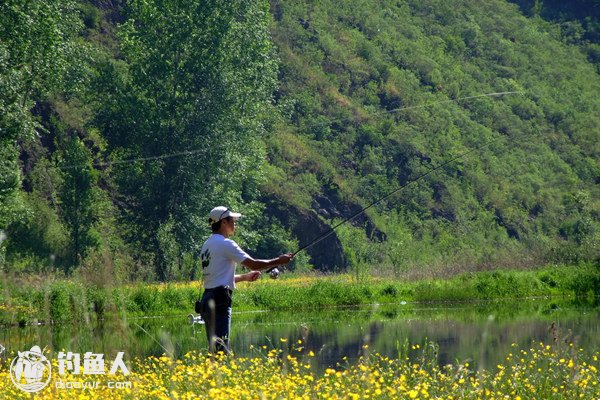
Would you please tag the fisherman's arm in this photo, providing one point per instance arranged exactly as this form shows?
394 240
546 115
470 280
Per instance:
261 265
248 277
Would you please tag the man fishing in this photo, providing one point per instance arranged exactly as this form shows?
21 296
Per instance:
219 256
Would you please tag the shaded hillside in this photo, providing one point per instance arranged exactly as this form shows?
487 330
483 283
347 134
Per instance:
578 21
123 123
355 84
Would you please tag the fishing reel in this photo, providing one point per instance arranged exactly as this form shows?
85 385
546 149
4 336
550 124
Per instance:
274 273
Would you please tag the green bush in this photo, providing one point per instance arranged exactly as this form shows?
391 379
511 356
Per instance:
147 299
90 15
60 308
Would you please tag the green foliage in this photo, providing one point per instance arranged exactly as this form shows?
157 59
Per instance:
10 201
363 255
74 301
178 264
578 281
321 293
147 300
78 196
372 91
34 49
267 238
90 15
153 299
34 53
578 20
115 141
67 302
197 76
60 303
39 242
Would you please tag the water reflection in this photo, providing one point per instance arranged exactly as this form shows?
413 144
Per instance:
480 333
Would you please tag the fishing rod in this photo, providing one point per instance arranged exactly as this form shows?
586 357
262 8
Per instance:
274 272
390 194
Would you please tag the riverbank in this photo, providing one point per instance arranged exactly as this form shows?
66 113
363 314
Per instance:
67 301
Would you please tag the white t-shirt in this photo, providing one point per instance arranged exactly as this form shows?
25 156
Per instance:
219 257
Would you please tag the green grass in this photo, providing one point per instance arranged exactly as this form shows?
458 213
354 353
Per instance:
66 301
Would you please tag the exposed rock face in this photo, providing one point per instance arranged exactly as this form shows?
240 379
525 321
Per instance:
330 206
307 225
327 254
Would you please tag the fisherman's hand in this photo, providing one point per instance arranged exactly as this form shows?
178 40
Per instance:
252 276
285 258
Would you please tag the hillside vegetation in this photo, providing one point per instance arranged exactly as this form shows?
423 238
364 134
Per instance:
367 91
123 124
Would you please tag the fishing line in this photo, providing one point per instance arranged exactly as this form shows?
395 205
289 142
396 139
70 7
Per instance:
197 151
132 160
390 194
495 94
156 341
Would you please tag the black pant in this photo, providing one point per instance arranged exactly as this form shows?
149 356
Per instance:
215 309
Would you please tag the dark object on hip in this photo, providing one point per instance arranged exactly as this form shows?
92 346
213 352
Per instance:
221 297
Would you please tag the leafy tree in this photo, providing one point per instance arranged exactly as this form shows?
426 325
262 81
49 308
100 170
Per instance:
198 76
79 199
35 38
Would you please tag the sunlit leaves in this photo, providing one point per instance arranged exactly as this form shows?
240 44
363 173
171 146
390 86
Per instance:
198 76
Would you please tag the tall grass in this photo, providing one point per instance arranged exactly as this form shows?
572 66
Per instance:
63 300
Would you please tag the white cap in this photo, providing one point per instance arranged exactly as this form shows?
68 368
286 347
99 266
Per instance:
218 213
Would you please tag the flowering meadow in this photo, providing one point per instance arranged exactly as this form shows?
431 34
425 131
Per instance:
540 372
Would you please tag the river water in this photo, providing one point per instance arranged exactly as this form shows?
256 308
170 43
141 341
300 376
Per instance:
481 333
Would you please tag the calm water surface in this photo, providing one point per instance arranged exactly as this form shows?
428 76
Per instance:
481 333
